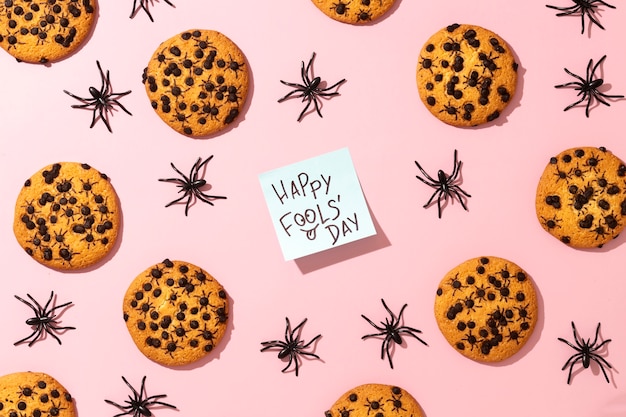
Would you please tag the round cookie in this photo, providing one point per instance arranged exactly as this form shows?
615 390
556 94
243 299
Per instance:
357 12
175 312
581 197
67 216
466 75
197 82
45 31
375 400
486 308
34 394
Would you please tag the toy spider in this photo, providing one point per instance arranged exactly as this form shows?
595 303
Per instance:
310 90
588 87
392 331
144 5
191 186
586 352
445 185
44 321
101 101
138 405
292 346
582 8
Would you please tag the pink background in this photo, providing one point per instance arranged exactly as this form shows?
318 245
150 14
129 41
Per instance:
380 118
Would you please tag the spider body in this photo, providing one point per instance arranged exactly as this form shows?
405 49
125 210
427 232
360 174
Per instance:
191 186
44 322
292 347
310 90
586 352
143 4
392 330
102 101
445 185
588 87
583 8
139 403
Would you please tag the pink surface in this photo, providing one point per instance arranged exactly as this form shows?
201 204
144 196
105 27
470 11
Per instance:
380 118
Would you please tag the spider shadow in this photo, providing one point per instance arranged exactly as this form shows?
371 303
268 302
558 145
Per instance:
217 350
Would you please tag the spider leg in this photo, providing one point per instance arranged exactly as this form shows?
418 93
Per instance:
120 104
207 198
430 181
152 401
35 333
331 87
305 72
305 109
411 332
315 100
309 344
102 116
456 193
386 349
585 96
600 361
573 360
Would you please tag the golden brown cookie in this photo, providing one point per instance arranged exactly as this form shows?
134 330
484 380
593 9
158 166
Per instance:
581 197
466 75
34 394
375 400
45 31
67 216
176 312
197 82
357 12
486 308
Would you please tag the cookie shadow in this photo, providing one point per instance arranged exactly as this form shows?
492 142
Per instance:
344 252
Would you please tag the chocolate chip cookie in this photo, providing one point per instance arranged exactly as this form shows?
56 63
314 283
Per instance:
375 400
34 394
466 75
581 197
357 12
175 312
45 31
486 308
197 82
67 216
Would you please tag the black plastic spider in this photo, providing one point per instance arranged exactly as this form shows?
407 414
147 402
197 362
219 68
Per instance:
586 352
144 5
392 331
191 186
588 87
101 101
310 90
445 185
138 405
583 8
44 321
292 346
